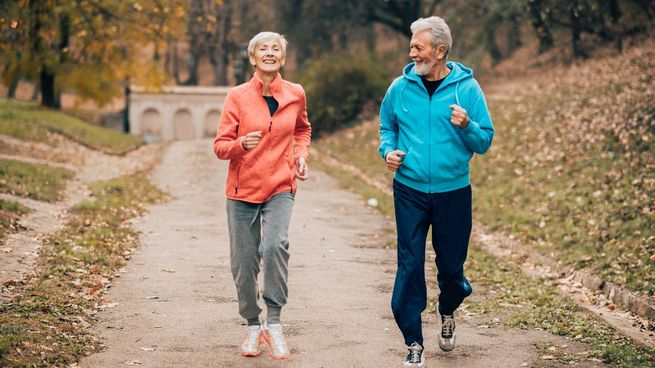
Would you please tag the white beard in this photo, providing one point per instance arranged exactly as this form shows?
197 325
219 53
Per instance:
424 69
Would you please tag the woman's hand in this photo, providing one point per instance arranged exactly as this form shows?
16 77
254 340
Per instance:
302 172
252 140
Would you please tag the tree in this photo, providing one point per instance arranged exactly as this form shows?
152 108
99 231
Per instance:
539 18
88 46
399 15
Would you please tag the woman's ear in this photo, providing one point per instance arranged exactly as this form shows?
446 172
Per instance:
253 62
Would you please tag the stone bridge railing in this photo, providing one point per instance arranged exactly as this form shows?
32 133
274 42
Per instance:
176 112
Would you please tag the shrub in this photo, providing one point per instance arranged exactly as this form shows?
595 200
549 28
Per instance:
339 87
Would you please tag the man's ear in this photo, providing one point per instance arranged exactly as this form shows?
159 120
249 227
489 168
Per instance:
441 52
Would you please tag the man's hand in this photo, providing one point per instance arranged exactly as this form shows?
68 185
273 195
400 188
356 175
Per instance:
252 140
459 117
302 171
394 159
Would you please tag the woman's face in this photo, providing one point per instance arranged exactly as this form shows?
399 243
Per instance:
268 57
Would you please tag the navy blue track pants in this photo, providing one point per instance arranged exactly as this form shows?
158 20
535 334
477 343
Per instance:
449 214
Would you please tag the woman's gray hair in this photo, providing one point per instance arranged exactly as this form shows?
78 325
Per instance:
439 29
267 37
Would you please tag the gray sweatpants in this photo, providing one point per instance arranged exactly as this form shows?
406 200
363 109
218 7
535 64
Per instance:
260 231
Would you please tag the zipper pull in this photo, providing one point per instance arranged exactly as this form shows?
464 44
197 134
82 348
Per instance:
270 125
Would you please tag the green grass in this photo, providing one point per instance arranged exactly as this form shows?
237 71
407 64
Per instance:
36 181
29 122
10 212
45 325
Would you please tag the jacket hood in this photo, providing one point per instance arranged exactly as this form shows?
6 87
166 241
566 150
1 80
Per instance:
458 73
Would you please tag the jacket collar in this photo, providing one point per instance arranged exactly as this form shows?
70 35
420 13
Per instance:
275 87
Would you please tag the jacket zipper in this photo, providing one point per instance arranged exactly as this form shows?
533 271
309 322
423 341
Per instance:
430 139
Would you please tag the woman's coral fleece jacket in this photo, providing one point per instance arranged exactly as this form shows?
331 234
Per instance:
258 174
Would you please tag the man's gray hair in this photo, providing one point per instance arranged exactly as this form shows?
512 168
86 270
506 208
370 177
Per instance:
267 37
439 29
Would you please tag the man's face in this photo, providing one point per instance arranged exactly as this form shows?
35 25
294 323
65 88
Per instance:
423 54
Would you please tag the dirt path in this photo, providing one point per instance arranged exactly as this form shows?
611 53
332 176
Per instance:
174 306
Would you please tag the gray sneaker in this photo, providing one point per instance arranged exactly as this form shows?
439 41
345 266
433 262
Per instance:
415 356
447 335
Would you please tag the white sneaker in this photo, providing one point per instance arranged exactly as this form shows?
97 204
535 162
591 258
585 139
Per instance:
415 356
250 346
447 335
277 345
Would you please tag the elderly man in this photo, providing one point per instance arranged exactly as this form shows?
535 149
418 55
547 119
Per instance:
432 120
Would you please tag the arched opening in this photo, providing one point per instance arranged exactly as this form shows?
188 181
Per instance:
183 128
151 125
211 123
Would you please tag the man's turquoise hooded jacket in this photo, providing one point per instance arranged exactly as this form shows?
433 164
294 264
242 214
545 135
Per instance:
437 152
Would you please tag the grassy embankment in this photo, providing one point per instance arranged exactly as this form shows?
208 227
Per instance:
39 182
10 213
45 322
571 175
28 122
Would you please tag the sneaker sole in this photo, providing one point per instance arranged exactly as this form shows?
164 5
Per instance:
250 354
447 348
270 350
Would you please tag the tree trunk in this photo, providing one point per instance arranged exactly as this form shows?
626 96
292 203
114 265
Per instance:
176 63
11 69
539 21
219 43
609 15
514 35
48 95
36 90
13 86
196 43
371 41
494 51
576 30
219 60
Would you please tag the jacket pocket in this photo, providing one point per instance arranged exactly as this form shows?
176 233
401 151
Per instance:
237 173
449 162
413 166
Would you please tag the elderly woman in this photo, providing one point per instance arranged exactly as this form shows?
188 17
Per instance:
264 132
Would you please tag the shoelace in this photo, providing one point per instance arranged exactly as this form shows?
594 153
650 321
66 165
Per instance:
277 337
415 353
253 336
448 327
